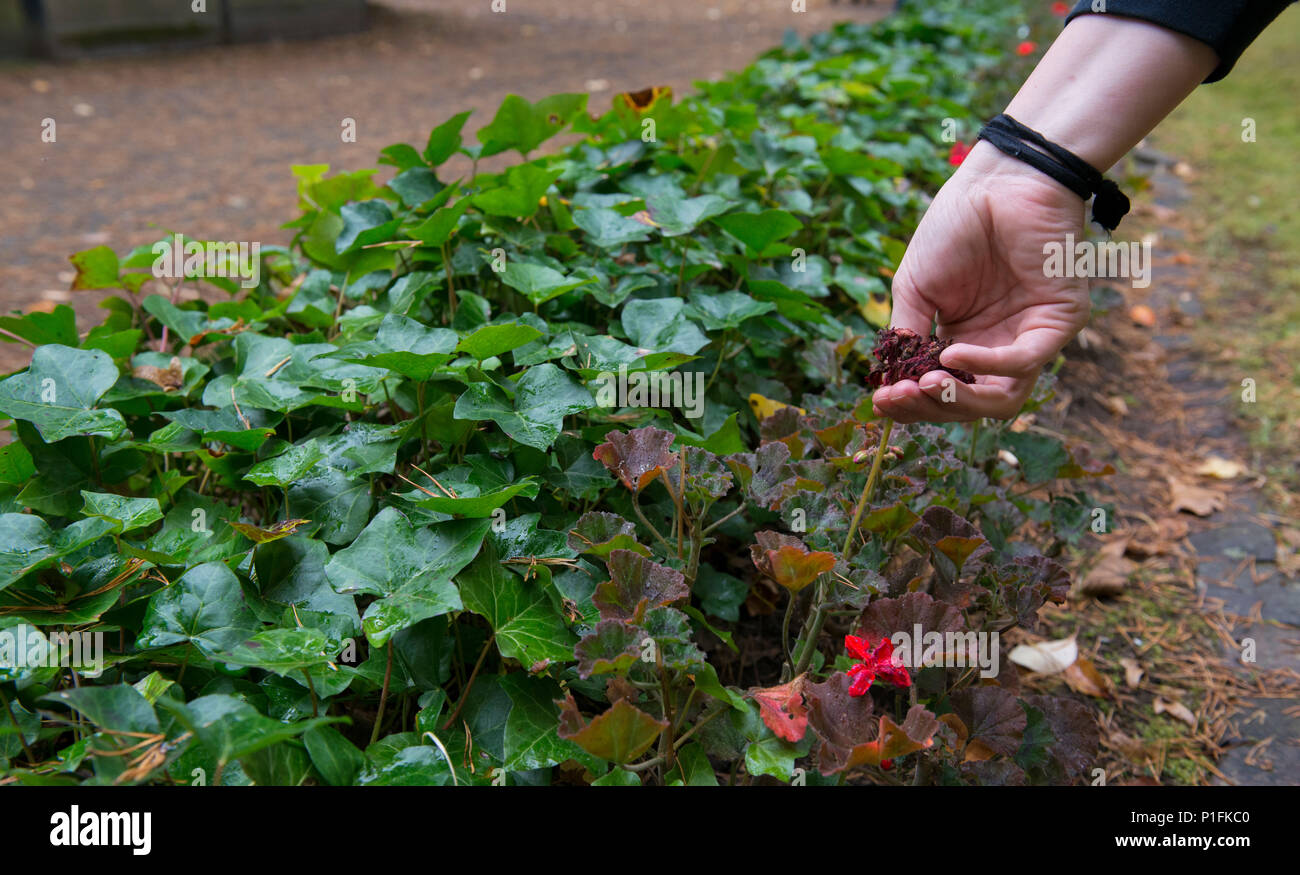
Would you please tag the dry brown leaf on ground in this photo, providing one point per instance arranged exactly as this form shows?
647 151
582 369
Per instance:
1159 538
1110 573
1083 677
1177 710
1220 468
1046 657
1193 499
1132 672
1143 315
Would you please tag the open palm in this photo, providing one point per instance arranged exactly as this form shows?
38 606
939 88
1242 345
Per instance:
975 267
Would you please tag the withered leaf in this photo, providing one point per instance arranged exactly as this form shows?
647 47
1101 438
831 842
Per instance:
259 535
782 709
169 378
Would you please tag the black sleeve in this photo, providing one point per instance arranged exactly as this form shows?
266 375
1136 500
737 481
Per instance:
1227 26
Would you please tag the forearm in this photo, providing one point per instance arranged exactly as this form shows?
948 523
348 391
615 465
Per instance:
1107 82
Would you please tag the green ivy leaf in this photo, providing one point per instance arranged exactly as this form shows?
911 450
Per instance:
526 624
58 392
543 397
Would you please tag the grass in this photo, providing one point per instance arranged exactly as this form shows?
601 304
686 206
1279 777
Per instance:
1247 219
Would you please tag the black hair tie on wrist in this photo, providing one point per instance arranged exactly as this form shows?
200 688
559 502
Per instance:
1109 204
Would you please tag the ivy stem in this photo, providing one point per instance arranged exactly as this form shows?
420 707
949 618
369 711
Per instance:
315 703
383 695
22 739
870 488
469 684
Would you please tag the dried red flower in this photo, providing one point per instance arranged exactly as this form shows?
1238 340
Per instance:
1026 48
905 355
877 662
958 153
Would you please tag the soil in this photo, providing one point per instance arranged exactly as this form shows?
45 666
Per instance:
202 141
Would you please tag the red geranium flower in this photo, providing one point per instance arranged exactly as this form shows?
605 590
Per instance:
875 662
1026 48
1060 10
958 153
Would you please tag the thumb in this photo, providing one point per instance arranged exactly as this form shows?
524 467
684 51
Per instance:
1022 358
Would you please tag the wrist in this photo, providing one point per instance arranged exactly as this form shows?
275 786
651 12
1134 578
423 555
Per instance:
1106 82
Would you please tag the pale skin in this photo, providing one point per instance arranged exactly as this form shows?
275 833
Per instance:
975 264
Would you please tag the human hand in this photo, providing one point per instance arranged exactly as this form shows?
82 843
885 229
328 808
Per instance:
976 263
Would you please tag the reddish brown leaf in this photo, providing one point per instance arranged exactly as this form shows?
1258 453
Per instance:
636 457
1074 728
635 585
885 617
995 720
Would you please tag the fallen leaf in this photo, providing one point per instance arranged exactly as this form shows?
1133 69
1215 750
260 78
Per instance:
1083 677
1221 468
1143 315
1157 540
1046 657
1193 499
1176 710
1132 672
1109 575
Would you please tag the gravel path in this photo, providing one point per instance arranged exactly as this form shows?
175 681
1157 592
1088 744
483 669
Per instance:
201 142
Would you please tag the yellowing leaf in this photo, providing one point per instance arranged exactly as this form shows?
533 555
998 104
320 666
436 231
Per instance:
876 311
765 407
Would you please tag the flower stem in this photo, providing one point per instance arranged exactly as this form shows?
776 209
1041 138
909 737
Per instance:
785 638
812 629
870 488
